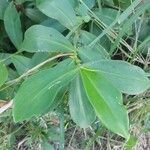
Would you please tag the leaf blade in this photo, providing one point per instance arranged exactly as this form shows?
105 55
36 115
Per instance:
3 74
13 25
60 10
80 108
106 101
39 38
39 94
127 78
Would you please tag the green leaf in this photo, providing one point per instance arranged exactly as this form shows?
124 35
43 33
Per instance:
87 54
105 99
60 10
39 38
21 63
87 38
35 15
3 6
127 78
132 141
80 108
3 74
39 91
13 25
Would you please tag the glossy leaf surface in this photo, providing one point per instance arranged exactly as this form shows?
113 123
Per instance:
105 99
3 73
60 10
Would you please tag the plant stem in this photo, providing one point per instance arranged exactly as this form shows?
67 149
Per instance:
37 67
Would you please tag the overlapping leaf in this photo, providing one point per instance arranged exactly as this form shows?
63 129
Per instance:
13 25
3 73
38 92
127 78
90 53
60 10
39 38
80 108
106 100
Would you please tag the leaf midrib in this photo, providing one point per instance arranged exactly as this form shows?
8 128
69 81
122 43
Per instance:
105 103
52 84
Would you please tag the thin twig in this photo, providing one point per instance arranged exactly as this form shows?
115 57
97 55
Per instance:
37 67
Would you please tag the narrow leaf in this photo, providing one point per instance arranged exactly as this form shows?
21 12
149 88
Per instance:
21 63
80 108
13 25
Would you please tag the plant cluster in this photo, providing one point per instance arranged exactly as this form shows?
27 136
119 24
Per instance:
85 54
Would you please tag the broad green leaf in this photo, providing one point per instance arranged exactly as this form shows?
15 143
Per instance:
39 38
39 58
13 25
80 108
3 74
39 91
105 99
60 10
59 98
3 6
127 78
21 63
4 57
